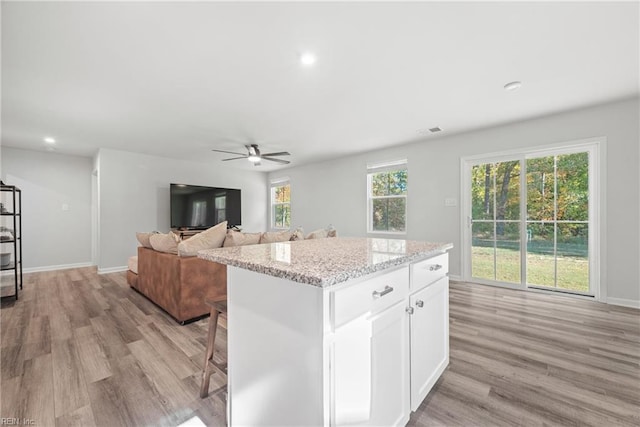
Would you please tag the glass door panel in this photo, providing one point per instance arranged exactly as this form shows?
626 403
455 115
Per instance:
495 219
541 264
573 257
508 251
483 251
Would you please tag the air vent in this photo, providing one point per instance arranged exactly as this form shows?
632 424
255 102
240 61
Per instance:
435 129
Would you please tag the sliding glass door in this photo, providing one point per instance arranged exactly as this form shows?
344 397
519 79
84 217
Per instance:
530 219
558 222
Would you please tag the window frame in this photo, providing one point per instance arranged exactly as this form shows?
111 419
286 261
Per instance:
275 183
373 169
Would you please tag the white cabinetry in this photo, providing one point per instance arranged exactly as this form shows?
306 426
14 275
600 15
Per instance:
429 325
429 338
364 352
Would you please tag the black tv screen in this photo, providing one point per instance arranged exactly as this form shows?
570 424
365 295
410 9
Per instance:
198 207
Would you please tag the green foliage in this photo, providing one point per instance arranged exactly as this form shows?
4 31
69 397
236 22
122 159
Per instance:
282 216
389 204
281 200
392 183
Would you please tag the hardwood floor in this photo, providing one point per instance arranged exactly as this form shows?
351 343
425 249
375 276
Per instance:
79 349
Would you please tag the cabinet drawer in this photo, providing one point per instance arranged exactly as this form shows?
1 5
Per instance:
372 295
429 270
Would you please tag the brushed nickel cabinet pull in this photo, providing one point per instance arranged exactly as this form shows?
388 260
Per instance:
378 294
435 267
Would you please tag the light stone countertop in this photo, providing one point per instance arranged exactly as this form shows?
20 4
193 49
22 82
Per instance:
325 262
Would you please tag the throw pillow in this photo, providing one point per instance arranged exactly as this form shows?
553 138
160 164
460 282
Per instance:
236 238
143 238
275 236
209 239
298 234
317 234
164 242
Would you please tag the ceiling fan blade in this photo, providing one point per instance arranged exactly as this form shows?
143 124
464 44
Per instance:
234 158
284 162
281 153
229 152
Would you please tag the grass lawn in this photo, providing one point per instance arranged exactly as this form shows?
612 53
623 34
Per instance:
573 272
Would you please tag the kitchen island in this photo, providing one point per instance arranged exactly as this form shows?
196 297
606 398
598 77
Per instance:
334 331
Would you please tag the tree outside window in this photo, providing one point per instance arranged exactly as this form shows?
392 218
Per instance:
281 205
388 200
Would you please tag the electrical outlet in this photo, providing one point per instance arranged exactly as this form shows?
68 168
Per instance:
65 207
450 201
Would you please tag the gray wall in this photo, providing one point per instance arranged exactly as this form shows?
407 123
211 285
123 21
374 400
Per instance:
52 237
133 194
335 191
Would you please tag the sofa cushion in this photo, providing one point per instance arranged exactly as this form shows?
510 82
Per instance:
237 238
317 234
209 239
164 242
133 264
143 238
275 236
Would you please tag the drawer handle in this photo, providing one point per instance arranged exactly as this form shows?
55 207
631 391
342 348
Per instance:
420 303
435 267
378 294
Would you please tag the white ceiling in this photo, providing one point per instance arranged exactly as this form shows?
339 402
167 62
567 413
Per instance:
177 79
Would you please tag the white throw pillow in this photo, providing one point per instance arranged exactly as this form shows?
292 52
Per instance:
164 242
209 239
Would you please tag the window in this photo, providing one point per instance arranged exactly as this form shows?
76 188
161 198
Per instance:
387 197
280 204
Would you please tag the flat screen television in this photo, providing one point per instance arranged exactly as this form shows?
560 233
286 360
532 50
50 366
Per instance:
196 207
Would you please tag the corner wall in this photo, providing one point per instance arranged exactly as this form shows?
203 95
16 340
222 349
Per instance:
335 191
134 196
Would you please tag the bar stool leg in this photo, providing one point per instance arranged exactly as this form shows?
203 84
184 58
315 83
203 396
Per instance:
206 370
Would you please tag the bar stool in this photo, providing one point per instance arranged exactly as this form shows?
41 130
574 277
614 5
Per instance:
217 307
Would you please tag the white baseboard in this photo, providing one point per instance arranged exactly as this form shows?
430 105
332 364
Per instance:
112 269
455 278
51 268
624 302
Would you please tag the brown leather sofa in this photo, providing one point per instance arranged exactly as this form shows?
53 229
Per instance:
179 285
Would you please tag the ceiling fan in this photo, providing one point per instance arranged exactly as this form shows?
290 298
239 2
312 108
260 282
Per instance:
254 155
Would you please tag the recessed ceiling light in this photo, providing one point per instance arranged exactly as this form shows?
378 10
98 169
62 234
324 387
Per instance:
307 59
513 86
49 140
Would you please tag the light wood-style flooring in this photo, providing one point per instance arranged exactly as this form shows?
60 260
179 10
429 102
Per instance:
81 349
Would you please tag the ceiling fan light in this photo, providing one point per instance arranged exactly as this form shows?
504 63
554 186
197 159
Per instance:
253 158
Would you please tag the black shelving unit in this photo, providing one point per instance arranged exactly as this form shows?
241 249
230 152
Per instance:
11 216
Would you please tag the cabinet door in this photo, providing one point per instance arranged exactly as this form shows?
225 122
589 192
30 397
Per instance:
371 376
429 327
